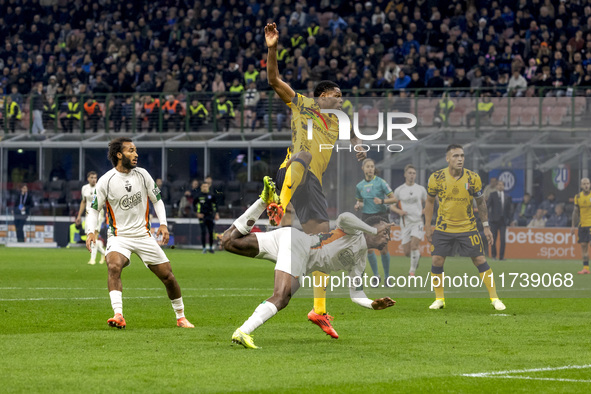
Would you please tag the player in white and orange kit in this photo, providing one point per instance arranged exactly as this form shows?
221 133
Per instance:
296 254
125 190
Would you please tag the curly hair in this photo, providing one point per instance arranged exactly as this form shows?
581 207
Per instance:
115 147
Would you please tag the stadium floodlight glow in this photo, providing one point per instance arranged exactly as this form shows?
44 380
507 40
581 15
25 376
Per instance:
345 127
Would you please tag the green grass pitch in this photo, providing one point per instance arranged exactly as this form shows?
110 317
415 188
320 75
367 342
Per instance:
54 336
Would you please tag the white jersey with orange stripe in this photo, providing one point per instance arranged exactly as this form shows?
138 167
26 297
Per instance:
342 249
126 198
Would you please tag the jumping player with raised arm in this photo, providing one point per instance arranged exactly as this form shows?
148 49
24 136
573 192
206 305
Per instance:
296 254
125 190
456 187
300 176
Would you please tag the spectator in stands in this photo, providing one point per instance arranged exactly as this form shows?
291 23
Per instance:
172 112
185 207
12 114
71 115
517 84
164 190
37 107
402 81
224 111
50 113
251 99
538 221
92 113
197 113
548 205
444 107
558 218
128 113
484 110
151 112
21 210
492 186
524 211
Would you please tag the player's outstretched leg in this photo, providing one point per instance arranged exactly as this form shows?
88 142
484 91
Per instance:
164 273
271 199
285 286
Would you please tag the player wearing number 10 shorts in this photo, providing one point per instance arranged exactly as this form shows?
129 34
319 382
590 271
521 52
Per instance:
455 227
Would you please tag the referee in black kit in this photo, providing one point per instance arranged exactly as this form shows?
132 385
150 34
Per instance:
206 208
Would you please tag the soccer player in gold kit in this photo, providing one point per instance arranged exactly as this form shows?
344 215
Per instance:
456 187
582 211
300 175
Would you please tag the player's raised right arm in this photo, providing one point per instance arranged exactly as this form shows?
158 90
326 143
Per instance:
283 90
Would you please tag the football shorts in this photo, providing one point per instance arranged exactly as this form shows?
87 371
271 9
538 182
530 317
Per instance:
412 230
146 248
584 236
289 248
467 244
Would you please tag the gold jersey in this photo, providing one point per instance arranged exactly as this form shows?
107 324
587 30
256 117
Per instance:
455 214
583 201
325 132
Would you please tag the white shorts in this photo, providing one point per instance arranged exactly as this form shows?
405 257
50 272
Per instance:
101 220
289 248
412 230
145 247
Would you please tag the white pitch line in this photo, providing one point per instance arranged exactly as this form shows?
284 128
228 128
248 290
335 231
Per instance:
125 298
506 374
138 288
532 378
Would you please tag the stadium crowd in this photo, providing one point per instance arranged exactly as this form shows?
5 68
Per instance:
183 49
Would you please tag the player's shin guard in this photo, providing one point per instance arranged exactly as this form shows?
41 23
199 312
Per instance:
293 178
320 281
437 281
415 255
386 264
116 301
486 275
179 307
245 222
264 312
373 263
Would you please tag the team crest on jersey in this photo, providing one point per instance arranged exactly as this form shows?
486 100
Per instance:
347 258
455 190
128 186
368 189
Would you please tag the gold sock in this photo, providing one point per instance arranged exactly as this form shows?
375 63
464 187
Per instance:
293 178
320 292
439 288
488 279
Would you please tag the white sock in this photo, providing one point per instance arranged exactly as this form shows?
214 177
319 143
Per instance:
93 252
116 301
251 214
415 255
264 312
100 246
179 307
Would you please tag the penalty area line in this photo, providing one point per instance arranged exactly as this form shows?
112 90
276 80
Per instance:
510 374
